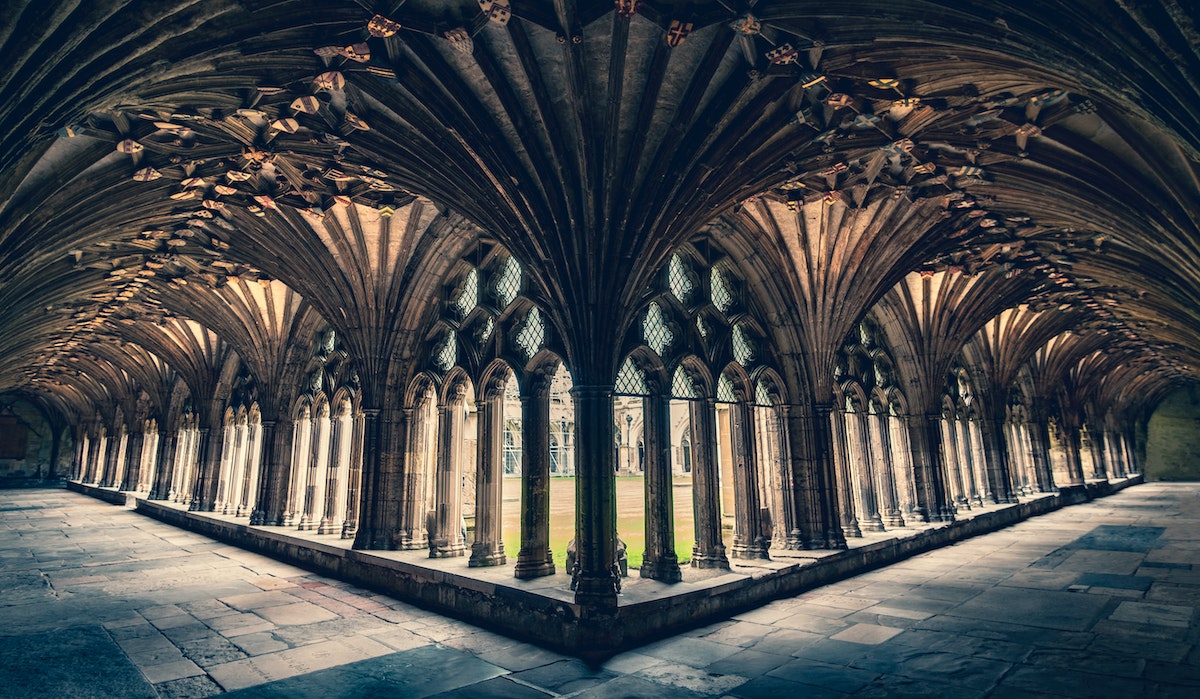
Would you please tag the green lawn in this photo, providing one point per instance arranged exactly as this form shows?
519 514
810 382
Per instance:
630 518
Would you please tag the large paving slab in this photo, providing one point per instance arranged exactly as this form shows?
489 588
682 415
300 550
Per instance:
1096 600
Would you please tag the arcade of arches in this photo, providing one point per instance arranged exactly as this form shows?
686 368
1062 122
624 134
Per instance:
797 273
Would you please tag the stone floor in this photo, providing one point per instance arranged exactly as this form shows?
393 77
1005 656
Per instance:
1095 600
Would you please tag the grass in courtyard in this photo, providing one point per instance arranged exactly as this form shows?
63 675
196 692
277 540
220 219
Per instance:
630 518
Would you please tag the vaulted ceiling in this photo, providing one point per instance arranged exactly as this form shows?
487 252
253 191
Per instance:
241 163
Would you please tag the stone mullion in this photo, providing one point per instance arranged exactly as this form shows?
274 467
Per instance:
659 561
535 558
709 549
446 539
488 547
844 483
748 539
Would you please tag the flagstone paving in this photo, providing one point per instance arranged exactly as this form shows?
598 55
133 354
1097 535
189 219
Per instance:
1096 600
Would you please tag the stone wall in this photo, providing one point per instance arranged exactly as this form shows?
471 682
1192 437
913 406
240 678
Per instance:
1173 442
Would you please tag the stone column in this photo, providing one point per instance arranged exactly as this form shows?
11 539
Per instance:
380 523
414 509
226 466
446 540
709 550
951 461
863 463
329 511
354 482
844 483
488 548
160 487
1099 467
749 539
207 461
535 558
596 578
979 463
112 451
659 561
884 466
247 496
133 462
929 469
1074 463
273 466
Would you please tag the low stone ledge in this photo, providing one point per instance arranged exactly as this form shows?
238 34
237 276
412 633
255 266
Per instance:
595 634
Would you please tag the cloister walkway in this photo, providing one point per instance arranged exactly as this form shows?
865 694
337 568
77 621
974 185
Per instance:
1096 599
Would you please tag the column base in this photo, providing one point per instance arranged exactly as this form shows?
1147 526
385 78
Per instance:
850 529
597 592
757 550
447 551
483 556
328 527
534 564
666 571
872 524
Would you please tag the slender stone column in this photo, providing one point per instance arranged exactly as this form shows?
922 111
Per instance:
226 466
979 462
133 462
414 507
844 483
863 463
488 548
749 539
792 537
885 468
951 461
329 510
1115 463
354 482
96 463
535 558
248 493
660 561
596 579
709 550
446 541
81 454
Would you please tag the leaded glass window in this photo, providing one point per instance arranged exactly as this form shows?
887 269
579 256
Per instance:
725 392
508 282
680 278
743 350
722 295
630 380
682 385
467 296
532 333
654 329
762 396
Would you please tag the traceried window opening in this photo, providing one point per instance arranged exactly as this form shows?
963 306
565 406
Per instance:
508 282
446 353
467 297
762 396
722 295
743 350
682 385
532 333
725 392
631 381
654 329
680 278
